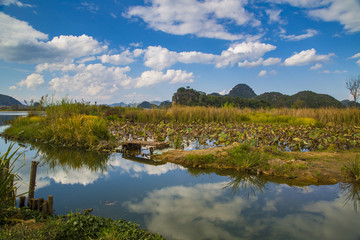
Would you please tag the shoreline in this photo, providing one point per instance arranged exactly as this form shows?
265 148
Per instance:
298 168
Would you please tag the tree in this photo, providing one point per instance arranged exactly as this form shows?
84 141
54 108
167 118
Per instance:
353 85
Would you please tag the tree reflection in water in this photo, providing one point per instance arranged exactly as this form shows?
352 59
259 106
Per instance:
72 159
246 183
352 193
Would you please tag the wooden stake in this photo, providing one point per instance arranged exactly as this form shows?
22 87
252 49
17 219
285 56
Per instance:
32 179
51 204
45 207
41 201
22 201
35 204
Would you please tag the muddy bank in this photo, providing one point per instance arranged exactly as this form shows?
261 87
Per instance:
298 168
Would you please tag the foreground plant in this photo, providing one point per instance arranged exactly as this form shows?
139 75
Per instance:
352 169
8 178
73 226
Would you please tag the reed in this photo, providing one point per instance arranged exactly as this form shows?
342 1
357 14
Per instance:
8 178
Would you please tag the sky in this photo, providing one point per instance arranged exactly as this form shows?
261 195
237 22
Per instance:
111 51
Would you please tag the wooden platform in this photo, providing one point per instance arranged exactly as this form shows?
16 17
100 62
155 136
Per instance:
134 145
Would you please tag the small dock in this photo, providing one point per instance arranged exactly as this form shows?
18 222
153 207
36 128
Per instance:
136 145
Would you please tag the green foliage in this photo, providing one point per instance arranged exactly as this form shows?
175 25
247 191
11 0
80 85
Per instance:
245 157
352 169
200 159
74 226
8 178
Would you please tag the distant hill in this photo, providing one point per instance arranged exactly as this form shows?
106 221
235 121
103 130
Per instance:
348 103
243 96
165 104
306 99
8 101
242 91
147 105
122 104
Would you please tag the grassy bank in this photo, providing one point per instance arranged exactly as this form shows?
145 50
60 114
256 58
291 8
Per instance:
68 124
29 224
300 167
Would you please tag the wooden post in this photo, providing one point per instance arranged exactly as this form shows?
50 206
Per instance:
51 204
30 202
32 180
22 201
35 204
151 150
45 207
41 201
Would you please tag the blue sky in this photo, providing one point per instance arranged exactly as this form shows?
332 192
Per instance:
133 50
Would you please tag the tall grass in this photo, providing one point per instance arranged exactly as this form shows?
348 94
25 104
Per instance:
8 178
186 114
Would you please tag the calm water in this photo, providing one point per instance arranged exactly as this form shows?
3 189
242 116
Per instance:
187 204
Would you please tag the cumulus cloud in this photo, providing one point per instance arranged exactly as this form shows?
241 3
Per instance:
316 66
19 42
160 58
32 81
15 2
264 73
154 77
271 61
309 33
306 57
123 58
345 11
243 51
201 18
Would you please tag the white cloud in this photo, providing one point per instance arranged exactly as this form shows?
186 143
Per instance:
355 56
19 42
224 92
248 64
201 18
32 81
274 15
160 58
302 3
306 57
90 80
243 51
316 66
344 11
358 62
202 216
171 76
271 61
15 2
12 88
309 33
123 58
264 73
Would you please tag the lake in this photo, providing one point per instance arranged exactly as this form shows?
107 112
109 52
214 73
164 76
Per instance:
182 203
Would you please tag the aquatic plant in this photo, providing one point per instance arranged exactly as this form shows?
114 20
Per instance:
245 156
352 169
8 178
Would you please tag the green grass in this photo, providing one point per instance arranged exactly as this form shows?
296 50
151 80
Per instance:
246 157
8 178
71 226
352 169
